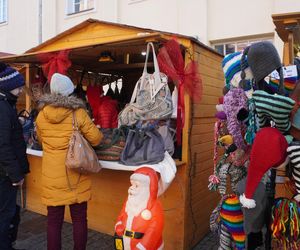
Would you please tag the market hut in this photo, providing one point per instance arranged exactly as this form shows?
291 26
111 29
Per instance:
187 202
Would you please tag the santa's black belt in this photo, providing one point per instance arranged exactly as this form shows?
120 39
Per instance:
132 234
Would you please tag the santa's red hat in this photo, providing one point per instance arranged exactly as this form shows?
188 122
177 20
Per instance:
151 173
268 151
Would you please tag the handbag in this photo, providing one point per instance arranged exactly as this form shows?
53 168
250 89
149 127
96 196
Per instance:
143 146
26 120
151 98
81 157
112 144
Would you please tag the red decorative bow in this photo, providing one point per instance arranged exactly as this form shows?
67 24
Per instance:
187 79
55 62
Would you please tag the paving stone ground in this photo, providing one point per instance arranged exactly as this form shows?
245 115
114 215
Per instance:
32 236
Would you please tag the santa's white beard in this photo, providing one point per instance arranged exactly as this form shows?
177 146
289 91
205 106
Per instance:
136 203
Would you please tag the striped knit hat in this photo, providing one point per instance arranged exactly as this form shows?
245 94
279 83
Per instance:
232 218
231 65
294 155
10 78
273 107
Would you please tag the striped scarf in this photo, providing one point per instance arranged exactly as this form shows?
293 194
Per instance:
294 155
273 107
232 218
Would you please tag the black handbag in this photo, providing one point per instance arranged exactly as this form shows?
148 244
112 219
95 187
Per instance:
143 146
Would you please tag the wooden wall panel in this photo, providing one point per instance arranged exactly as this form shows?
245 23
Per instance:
203 201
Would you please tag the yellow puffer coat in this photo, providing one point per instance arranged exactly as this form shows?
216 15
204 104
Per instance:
54 129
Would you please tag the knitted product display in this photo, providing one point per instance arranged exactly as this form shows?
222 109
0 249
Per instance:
235 173
226 241
251 128
285 224
222 175
294 155
273 107
232 218
234 101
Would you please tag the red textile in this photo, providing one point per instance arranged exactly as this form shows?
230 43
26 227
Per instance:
55 62
107 113
187 78
268 151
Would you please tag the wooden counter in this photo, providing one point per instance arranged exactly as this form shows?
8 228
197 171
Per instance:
109 191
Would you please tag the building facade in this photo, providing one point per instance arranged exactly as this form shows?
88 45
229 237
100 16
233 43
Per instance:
225 25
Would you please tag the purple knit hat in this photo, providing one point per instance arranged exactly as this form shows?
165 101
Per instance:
234 101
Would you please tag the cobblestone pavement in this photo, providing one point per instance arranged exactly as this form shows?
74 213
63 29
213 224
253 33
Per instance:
32 236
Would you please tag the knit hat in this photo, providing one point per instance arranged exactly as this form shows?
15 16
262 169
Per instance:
231 65
232 218
10 78
263 58
234 101
268 151
294 155
61 84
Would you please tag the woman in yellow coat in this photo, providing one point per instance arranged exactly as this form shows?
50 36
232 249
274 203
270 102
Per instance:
62 187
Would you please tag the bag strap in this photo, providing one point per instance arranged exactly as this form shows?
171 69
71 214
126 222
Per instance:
21 113
74 122
69 183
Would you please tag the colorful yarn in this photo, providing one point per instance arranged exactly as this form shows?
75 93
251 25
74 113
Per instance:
232 218
285 223
289 84
251 128
234 101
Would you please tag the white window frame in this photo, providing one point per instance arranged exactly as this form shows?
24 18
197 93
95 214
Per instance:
3 11
70 7
235 42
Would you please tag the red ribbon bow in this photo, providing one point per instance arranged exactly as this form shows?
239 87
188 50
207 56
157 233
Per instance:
187 79
55 62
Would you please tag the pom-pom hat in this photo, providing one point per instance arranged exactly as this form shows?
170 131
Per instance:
10 78
268 150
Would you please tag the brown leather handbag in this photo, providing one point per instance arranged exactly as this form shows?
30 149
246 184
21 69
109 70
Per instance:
81 157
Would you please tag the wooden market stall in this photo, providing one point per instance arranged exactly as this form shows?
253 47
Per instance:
187 203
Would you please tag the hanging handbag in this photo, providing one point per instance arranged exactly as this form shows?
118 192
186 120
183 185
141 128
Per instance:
143 146
151 98
81 157
112 144
26 119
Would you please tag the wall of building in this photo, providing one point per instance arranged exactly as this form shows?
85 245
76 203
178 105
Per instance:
241 18
21 30
176 16
203 19
105 10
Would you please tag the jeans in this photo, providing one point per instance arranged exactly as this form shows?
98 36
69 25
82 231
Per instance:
8 197
55 222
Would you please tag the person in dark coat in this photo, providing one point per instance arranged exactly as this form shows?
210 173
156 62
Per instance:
13 159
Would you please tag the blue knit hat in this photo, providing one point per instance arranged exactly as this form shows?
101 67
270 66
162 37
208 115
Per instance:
10 78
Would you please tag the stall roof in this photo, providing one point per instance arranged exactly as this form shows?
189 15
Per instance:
286 23
99 35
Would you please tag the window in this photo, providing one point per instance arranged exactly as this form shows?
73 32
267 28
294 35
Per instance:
234 46
76 6
3 11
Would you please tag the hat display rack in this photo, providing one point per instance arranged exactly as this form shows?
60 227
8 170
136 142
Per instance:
257 139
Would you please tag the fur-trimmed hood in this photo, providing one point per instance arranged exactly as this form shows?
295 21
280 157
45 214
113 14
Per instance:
55 100
57 107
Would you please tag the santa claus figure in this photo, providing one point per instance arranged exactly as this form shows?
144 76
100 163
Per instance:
140 223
